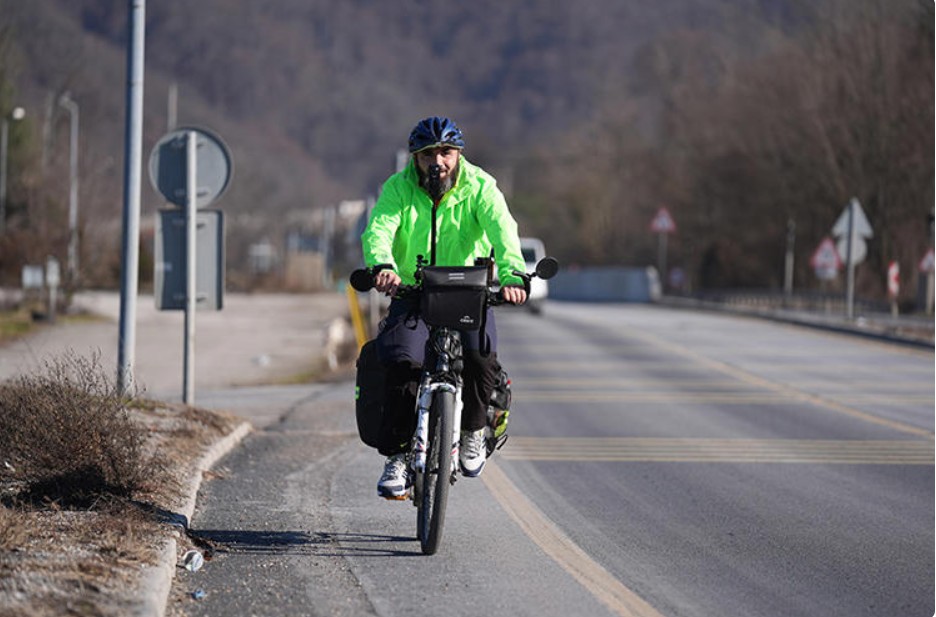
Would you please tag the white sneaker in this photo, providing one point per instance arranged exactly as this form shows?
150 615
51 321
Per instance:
472 452
395 481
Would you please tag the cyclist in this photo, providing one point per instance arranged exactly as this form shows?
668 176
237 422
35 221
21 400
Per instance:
471 217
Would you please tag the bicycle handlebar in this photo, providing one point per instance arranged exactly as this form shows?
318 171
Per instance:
362 280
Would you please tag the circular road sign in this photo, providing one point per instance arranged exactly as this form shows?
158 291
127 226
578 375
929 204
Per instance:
859 250
167 166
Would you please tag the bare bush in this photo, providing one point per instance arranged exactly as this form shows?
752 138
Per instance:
13 529
67 436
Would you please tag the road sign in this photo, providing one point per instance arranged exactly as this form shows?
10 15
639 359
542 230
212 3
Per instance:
926 264
32 277
169 280
862 226
852 218
893 279
53 272
858 253
168 166
825 260
663 223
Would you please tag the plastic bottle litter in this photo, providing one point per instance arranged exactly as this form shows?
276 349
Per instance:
193 561
198 594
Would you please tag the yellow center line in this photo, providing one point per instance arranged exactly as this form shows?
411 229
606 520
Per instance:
561 549
633 449
710 396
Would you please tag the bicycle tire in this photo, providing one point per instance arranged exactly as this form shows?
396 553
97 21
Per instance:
435 481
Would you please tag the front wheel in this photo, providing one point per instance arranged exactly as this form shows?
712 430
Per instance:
434 482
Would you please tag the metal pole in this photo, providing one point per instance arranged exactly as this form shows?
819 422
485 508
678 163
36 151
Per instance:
133 136
191 197
172 106
16 114
4 139
72 108
788 261
850 259
661 259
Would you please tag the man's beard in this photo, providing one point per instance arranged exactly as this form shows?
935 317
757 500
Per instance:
445 185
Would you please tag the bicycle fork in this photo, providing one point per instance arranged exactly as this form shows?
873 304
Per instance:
421 438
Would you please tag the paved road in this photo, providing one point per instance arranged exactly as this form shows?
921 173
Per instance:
661 463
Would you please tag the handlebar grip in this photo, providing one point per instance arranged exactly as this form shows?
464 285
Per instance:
525 277
362 280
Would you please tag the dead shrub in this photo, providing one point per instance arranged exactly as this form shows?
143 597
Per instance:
13 529
67 436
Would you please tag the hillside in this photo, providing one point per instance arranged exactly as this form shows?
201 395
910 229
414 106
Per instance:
315 97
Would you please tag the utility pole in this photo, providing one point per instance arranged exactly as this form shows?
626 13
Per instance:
788 261
17 114
133 157
72 108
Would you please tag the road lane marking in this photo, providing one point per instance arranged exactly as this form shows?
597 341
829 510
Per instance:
766 384
887 387
543 395
561 549
693 450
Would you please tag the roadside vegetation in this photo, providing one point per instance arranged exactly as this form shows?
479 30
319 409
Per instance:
69 438
14 324
89 482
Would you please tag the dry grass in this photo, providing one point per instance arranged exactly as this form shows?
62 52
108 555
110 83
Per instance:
83 500
68 437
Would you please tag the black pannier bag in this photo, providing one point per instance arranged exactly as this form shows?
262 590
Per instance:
369 393
498 412
453 296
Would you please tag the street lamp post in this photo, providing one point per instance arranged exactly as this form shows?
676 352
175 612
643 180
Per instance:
72 108
17 114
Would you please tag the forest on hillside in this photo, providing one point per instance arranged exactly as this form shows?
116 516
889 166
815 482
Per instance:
746 119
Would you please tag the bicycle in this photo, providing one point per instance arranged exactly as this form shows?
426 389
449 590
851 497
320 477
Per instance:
452 298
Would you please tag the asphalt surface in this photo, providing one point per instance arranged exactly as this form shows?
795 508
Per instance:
661 463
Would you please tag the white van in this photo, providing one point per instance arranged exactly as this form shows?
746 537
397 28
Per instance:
533 250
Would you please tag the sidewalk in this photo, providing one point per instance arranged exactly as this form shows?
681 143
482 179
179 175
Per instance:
254 339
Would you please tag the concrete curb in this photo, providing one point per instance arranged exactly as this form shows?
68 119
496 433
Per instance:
156 580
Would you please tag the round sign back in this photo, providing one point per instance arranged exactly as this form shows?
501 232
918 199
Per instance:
168 166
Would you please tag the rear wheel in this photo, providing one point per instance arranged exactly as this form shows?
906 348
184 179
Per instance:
434 482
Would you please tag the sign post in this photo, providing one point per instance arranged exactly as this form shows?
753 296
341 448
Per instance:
663 225
191 168
53 278
893 285
926 267
852 227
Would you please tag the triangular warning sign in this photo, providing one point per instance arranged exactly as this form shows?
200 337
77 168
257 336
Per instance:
663 223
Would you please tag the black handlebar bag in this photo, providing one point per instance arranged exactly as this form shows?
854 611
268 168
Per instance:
454 296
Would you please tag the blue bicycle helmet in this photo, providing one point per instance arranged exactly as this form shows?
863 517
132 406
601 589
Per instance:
435 132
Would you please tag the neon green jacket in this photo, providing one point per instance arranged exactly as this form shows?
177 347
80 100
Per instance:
471 218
